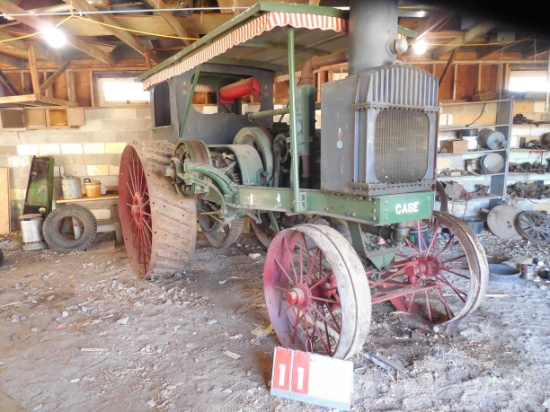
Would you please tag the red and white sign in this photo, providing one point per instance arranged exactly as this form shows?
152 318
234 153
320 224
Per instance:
312 378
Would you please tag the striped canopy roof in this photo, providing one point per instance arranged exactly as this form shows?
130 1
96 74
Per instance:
257 38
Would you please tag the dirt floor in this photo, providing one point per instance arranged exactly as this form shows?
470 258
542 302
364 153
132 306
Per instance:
81 332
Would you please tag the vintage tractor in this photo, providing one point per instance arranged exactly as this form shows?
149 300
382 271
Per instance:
346 209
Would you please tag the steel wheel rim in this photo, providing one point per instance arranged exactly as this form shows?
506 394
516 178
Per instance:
137 221
312 305
450 272
534 226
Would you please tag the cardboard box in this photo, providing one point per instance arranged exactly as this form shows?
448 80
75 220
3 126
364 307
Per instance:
453 146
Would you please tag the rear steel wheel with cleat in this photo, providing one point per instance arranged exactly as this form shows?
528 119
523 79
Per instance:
158 225
316 291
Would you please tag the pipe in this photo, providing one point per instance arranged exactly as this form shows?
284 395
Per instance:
372 29
316 62
294 165
274 112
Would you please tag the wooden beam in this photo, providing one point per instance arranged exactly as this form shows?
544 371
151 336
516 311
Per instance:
12 61
36 23
21 45
126 37
33 100
8 84
170 19
54 76
33 68
479 30
449 64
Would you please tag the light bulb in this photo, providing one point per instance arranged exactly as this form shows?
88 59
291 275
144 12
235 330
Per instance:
420 47
55 37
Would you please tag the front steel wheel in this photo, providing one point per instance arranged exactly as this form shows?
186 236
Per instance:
440 276
316 291
158 225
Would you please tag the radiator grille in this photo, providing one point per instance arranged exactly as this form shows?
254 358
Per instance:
401 145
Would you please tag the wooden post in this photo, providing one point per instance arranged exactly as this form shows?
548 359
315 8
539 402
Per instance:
34 71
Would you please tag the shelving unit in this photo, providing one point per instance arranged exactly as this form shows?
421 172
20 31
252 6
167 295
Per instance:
520 156
41 117
495 115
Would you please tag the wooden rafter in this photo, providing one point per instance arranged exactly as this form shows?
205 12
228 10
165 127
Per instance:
12 61
34 71
479 30
38 24
126 37
21 45
170 19
49 81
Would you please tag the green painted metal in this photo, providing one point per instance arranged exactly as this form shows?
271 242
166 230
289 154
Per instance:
225 184
189 101
348 207
248 63
307 118
39 194
294 165
255 11
404 207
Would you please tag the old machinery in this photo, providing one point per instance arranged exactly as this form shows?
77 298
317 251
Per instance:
340 205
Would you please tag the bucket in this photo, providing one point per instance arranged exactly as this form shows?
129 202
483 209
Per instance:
415 236
31 231
72 187
503 273
470 136
475 224
93 188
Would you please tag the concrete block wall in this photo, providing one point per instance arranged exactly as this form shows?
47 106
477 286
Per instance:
90 151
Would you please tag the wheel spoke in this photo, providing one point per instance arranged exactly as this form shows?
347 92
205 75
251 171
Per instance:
284 271
301 274
464 273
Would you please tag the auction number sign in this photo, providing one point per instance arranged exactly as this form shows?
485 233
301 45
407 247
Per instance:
312 378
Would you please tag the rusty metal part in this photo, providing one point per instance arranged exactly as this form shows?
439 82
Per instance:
501 221
534 225
316 62
217 231
159 227
440 279
316 291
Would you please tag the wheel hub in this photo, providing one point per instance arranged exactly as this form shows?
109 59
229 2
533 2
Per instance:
137 210
299 296
424 268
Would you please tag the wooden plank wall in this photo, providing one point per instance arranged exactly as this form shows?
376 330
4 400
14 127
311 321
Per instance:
5 208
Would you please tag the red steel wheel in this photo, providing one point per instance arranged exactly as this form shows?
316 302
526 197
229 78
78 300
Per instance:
447 273
316 291
158 225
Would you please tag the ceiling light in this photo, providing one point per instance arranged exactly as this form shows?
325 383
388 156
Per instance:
55 37
419 47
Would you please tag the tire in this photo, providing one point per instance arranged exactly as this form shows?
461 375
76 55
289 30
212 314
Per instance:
1 257
62 240
159 226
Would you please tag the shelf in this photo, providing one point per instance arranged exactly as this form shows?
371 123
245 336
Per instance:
490 197
456 128
473 152
41 117
528 176
518 149
12 119
469 177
